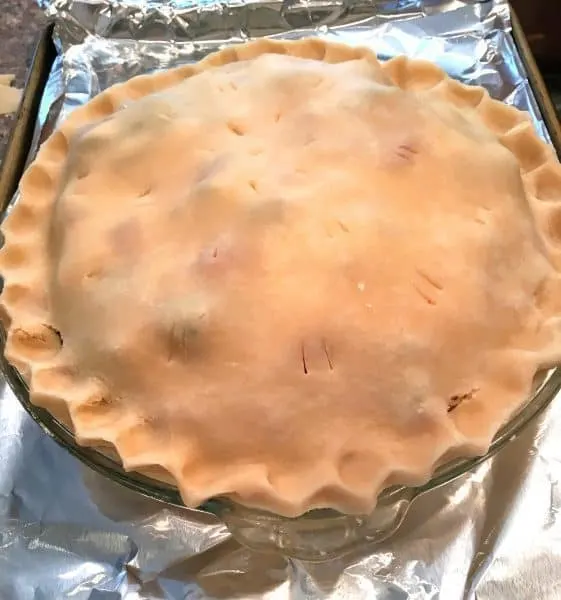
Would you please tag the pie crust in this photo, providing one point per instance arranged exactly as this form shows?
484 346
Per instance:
289 274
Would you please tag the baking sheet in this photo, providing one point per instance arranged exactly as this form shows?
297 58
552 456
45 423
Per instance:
67 532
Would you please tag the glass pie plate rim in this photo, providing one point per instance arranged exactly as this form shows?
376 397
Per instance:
265 531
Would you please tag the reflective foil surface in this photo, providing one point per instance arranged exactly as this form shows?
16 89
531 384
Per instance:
68 532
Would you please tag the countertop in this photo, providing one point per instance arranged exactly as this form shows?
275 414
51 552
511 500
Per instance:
20 24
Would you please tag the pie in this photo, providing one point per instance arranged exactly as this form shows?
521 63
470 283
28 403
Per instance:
289 275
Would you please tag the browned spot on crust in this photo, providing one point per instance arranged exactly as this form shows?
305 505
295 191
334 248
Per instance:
457 399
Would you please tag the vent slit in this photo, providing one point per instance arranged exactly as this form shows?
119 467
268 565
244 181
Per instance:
326 351
304 365
425 297
430 280
235 128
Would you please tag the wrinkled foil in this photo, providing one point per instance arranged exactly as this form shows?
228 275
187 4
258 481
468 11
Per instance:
68 532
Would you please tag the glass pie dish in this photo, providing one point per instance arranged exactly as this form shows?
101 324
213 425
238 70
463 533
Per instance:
319 534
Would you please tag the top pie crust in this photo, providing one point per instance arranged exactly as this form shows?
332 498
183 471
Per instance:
288 274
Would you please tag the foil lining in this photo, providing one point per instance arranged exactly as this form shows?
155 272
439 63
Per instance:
236 20
68 532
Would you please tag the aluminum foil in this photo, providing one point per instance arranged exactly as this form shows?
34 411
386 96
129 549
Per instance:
68 532
234 20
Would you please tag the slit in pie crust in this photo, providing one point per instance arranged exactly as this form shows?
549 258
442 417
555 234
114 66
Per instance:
289 274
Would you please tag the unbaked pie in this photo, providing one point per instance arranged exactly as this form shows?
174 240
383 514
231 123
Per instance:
289 274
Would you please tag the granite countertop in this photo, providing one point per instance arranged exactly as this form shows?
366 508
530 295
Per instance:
20 24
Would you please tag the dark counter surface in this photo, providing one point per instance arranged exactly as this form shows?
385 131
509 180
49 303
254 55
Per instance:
20 24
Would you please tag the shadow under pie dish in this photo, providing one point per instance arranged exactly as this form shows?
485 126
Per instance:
289 275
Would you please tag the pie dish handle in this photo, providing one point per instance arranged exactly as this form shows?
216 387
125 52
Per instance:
318 535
